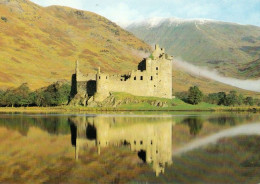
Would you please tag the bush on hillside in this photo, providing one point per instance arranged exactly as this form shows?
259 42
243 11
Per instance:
4 19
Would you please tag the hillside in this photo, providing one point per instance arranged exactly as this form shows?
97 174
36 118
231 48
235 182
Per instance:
232 49
40 45
183 80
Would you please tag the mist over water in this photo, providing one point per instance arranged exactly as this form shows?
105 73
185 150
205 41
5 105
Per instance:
249 129
252 85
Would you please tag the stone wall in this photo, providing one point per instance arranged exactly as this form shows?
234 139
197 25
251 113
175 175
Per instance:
155 80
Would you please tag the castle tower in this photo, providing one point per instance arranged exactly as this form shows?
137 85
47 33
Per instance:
77 67
160 67
157 47
157 52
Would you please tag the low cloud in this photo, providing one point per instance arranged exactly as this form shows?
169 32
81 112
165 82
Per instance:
140 54
251 85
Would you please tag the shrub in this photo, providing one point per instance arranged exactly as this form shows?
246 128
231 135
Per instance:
232 99
249 101
194 95
151 56
182 95
4 19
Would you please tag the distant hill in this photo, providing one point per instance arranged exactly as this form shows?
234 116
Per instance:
182 80
232 49
40 45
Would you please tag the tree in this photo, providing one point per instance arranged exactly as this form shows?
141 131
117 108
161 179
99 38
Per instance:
10 98
183 96
212 98
221 98
1 97
39 98
22 95
240 99
32 98
231 99
16 97
249 101
194 95
257 102
54 95
48 99
63 94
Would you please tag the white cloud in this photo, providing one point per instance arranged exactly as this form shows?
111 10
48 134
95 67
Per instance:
120 13
127 11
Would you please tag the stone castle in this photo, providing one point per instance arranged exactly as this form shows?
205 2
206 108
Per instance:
150 138
153 78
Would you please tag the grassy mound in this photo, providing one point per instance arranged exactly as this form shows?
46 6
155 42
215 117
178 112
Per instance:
125 101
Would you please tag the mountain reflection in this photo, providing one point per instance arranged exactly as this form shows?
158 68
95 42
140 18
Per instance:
150 138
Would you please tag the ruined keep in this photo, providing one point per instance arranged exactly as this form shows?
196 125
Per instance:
153 78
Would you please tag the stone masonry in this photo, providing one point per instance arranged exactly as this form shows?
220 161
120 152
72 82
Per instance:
153 78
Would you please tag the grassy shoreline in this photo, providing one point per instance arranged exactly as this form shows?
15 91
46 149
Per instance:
65 109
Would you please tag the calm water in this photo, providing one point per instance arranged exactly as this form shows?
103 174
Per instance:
130 148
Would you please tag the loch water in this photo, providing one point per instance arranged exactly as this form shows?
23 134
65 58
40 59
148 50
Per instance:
130 147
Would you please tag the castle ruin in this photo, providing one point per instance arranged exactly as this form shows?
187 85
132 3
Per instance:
153 78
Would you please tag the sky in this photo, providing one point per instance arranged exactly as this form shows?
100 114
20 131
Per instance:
125 12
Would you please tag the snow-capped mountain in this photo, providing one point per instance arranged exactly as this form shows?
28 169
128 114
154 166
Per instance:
233 49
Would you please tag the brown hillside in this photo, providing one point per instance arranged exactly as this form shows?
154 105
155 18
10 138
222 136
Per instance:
40 45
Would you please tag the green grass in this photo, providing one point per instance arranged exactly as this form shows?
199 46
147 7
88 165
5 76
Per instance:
145 103
146 106
130 102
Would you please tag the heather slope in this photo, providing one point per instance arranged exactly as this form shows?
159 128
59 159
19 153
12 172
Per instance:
40 45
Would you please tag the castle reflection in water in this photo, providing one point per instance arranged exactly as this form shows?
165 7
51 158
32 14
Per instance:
150 138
